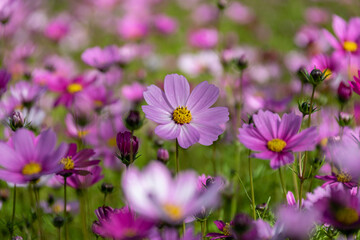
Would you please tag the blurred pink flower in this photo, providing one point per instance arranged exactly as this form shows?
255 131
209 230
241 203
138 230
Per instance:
205 38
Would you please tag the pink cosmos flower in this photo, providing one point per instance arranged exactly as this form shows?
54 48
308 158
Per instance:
25 157
204 38
276 139
184 116
355 85
120 224
159 196
131 27
58 28
101 59
133 92
165 24
76 162
348 36
4 80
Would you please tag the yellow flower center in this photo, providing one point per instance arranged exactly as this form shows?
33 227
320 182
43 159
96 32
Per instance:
343 177
68 163
98 103
182 115
276 145
57 208
324 142
112 142
350 46
74 88
173 211
82 133
347 216
226 229
31 168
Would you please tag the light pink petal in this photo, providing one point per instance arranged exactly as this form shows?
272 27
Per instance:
339 26
11 177
177 90
332 40
9 158
289 126
353 29
252 139
23 141
304 141
45 144
155 97
168 131
281 159
188 136
156 114
267 124
208 133
213 116
202 97
266 155
184 189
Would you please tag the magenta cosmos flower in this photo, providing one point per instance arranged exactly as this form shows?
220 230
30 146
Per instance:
276 139
120 224
184 116
25 157
348 36
76 162
356 85
153 193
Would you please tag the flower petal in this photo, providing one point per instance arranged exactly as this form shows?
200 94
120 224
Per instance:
289 126
188 136
208 133
252 139
156 114
339 26
9 158
177 90
281 159
267 124
304 141
45 144
23 141
216 115
202 97
155 97
168 131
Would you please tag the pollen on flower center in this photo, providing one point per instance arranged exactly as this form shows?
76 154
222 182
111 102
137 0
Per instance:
276 145
74 88
347 215
343 177
173 211
68 163
350 46
31 168
182 115
226 229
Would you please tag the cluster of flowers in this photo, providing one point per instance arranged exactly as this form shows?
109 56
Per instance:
108 104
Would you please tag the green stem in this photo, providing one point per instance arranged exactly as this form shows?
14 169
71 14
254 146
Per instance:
202 229
252 187
37 209
59 233
83 214
282 182
213 159
65 212
104 199
177 157
311 105
13 213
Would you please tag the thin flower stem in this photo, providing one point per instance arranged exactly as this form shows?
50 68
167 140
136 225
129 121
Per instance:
37 209
83 213
202 229
59 233
104 199
13 213
184 228
213 158
177 157
252 187
65 213
282 182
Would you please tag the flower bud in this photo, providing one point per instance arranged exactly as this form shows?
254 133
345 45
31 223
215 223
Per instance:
107 188
304 108
58 221
241 63
163 155
16 120
243 227
127 145
344 92
316 75
344 119
221 4
133 120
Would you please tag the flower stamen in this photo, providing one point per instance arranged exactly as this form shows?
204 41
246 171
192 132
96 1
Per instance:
31 168
182 115
350 46
276 145
68 163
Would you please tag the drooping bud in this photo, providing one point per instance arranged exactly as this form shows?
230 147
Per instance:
128 145
163 155
133 120
107 188
344 92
